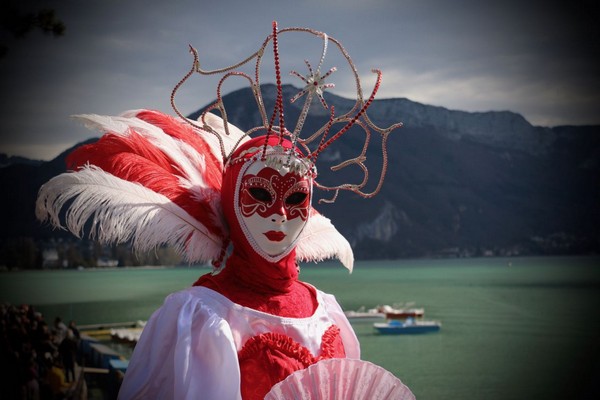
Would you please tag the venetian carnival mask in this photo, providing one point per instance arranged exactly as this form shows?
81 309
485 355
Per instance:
273 206
271 192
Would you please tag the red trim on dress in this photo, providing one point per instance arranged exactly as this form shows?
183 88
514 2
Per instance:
269 358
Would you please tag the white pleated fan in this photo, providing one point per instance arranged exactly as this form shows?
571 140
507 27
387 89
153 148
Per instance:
341 379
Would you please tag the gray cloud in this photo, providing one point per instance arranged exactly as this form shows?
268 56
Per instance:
535 58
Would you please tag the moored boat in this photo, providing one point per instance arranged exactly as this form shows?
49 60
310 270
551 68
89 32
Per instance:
372 314
408 326
402 312
126 335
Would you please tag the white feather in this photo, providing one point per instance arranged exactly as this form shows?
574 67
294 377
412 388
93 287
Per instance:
120 211
191 163
188 160
320 240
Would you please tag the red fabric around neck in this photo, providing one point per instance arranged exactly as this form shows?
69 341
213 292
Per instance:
260 276
261 288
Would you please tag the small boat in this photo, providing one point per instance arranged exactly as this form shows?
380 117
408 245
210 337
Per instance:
128 334
372 314
402 312
409 326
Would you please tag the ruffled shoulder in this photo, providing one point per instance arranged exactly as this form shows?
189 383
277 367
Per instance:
186 348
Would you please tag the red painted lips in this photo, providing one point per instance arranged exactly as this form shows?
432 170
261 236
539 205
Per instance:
275 236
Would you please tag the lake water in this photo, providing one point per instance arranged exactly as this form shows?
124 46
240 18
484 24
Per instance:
530 330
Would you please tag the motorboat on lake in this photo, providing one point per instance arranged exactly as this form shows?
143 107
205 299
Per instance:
397 311
362 314
408 326
402 312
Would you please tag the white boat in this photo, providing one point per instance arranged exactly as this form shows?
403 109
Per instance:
128 334
362 314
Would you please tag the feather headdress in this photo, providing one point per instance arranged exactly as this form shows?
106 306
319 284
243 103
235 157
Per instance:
153 179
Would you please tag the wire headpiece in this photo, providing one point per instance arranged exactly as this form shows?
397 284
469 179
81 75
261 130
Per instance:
315 143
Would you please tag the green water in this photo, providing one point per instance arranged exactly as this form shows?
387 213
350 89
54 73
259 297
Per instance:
526 331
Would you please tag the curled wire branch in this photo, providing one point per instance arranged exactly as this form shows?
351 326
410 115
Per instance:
322 138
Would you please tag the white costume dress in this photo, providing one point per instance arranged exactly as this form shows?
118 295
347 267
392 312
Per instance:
189 347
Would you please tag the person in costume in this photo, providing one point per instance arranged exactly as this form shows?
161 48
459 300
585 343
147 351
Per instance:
216 193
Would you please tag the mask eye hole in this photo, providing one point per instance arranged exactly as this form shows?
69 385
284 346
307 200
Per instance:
295 198
260 194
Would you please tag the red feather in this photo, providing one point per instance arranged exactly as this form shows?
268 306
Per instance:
184 132
134 158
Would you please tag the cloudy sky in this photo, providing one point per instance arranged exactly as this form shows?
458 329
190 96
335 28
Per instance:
537 58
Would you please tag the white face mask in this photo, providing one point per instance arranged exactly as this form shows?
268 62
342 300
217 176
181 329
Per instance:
272 207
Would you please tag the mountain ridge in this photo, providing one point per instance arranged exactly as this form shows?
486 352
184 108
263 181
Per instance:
458 184
500 128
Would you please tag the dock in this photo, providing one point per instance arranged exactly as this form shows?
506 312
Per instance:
102 366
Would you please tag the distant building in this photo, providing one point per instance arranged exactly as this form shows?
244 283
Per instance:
104 262
50 258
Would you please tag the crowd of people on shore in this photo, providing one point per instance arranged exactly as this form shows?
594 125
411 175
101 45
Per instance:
37 360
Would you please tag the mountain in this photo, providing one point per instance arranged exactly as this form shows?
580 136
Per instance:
458 183
6 160
21 180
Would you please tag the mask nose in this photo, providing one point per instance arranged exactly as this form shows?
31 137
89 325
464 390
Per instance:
279 217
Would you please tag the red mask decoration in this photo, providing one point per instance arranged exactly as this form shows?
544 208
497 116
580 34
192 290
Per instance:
270 193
